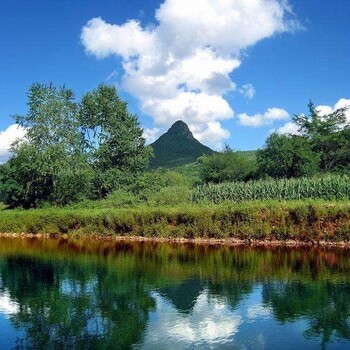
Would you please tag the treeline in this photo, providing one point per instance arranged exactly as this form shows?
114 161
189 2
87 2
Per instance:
322 146
73 149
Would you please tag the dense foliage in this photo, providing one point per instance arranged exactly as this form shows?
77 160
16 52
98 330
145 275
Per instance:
113 140
226 166
322 146
73 150
287 156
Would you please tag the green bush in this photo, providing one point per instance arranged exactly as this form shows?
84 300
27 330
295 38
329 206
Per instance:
226 166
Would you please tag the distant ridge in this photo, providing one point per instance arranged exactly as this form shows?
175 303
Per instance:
177 147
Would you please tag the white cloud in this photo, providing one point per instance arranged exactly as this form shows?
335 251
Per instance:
180 67
343 102
7 306
151 134
289 128
99 38
7 137
248 91
197 108
260 310
212 131
256 120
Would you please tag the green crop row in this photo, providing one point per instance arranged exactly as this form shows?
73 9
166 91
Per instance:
332 187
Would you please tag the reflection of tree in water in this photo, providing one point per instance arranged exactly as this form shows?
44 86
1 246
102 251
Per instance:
91 295
97 308
325 305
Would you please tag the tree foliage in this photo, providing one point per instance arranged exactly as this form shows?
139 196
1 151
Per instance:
287 156
322 146
112 134
113 138
59 162
329 136
226 166
316 125
49 165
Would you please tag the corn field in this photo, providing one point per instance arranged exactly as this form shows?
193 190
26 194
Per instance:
328 188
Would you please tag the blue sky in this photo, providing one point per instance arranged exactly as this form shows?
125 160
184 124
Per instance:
247 68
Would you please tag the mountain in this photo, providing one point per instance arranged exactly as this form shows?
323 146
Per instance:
177 147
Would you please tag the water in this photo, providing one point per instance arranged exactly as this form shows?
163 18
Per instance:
57 294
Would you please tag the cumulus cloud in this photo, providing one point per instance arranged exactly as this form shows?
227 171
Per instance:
248 91
7 137
180 67
212 131
151 134
289 128
256 120
342 103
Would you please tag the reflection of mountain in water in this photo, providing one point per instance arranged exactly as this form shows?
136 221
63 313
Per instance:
234 291
184 295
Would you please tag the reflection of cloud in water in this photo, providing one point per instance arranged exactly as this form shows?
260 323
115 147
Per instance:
72 287
211 321
7 306
259 311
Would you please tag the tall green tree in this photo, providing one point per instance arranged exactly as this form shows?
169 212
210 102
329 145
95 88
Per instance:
50 163
316 125
322 146
287 156
113 137
329 136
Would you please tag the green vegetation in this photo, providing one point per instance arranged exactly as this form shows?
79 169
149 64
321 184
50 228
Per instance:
300 220
177 147
227 166
287 156
331 187
73 150
91 154
323 146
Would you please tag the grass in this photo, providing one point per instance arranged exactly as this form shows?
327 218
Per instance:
308 220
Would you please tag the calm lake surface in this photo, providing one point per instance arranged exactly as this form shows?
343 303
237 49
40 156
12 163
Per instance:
58 294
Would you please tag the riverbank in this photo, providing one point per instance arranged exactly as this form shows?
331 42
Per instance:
230 242
265 223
